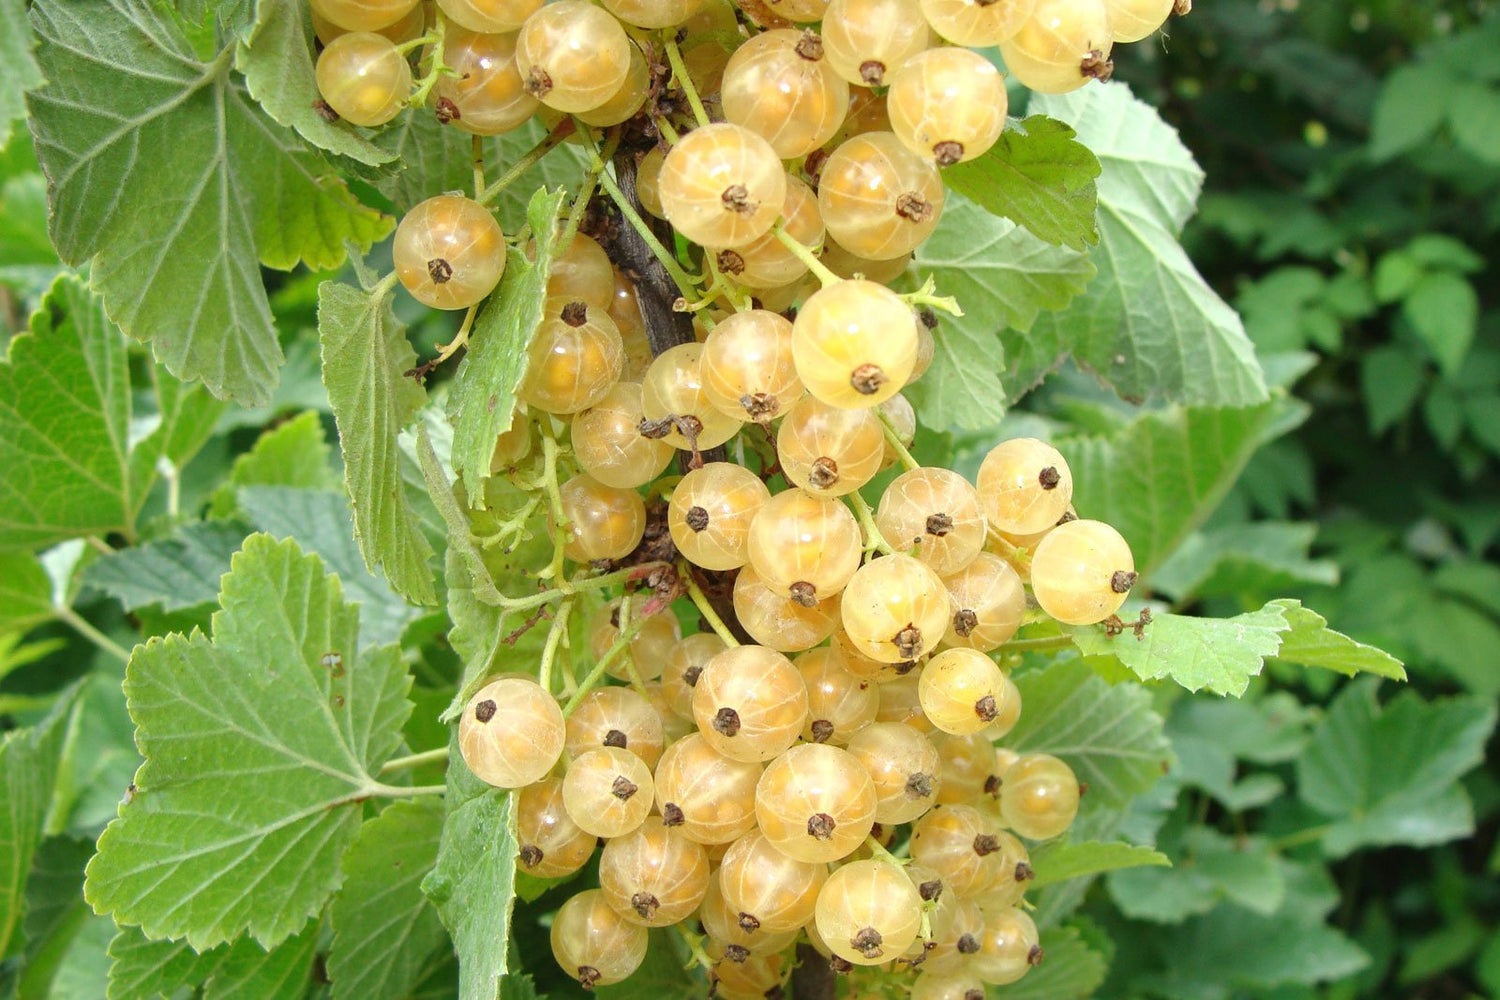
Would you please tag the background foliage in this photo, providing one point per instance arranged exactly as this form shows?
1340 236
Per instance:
1331 438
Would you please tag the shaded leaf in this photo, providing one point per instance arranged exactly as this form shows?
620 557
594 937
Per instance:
1216 654
179 571
1243 559
1057 861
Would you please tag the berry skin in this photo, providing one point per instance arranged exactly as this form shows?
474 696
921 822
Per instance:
864 40
721 186
486 92
674 387
609 445
756 978
1039 796
905 767
989 604
899 703
552 845
847 265
766 889
750 703
946 984
594 944
583 273
767 263
815 803
1009 949
654 876
654 13
829 451
964 846
615 717
963 691
1062 46
364 78
710 514
879 199
608 791
489 16
511 732
710 797
574 359
778 622
684 665
648 650
513 445
572 55
977 23
363 15
1081 572
732 939
1025 485
903 420
804 547
1133 20
854 344
947 103
603 522
449 252
648 181
778 86
895 609
1013 872
932 514
747 367
869 912
627 100
968 764
839 704
404 30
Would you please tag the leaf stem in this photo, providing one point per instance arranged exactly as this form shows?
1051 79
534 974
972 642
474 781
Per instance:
927 296
894 440
1307 836
405 792
680 74
1036 645
805 254
528 160
81 625
700 600
555 634
414 760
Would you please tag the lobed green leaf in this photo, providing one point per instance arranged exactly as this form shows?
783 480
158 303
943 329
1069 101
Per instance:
1058 861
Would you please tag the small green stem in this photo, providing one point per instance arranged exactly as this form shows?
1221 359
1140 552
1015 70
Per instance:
476 150
680 74
1036 645
528 160
685 282
879 851
417 43
667 131
554 570
1307 836
874 540
81 625
805 254
694 944
437 69
894 440
415 760
1019 559
399 792
700 599
555 636
927 296
99 545
620 646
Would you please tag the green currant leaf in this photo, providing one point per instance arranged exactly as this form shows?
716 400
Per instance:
1212 868
1108 735
1159 477
55 911
318 521
18 69
473 883
482 403
1059 860
179 571
1003 277
1256 558
383 927
25 592
365 358
294 453
1311 643
276 60
260 747
1070 967
168 177
142 969
665 974
1389 774
75 462
1413 100
1215 654
28 766
427 157
1149 324
1039 176
1443 309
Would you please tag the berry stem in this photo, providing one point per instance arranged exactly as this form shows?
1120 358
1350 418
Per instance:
554 570
874 541
436 68
1037 645
680 74
705 608
1019 558
81 625
528 160
694 943
628 631
805 254
927 296
878 850
414 760
892 439
476 151
555 635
